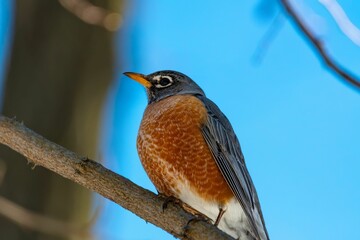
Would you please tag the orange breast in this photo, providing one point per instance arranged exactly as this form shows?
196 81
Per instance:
174 152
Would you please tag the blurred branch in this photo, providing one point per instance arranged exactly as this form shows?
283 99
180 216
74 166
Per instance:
94 15
268 38
94 176
338 70
342 20
40 223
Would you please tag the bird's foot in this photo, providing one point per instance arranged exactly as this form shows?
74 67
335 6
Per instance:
195 218
186 207
167 200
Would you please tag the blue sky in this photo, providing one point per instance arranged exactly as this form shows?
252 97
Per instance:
298 125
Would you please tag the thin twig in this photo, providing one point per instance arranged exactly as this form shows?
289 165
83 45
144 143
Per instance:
335 68
95 177
268 38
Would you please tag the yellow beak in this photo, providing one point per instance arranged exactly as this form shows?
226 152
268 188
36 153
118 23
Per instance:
140 78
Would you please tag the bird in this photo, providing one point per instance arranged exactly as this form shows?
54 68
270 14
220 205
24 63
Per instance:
190 152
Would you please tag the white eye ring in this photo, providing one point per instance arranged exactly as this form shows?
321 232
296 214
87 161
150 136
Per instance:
163 81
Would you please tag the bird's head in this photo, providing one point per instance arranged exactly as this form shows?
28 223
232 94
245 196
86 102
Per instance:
162 84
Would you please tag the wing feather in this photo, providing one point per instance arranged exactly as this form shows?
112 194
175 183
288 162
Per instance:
225 147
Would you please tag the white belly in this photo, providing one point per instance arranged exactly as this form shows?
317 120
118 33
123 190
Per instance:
233 222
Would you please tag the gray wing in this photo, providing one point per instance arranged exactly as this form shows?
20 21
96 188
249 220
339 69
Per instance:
225 147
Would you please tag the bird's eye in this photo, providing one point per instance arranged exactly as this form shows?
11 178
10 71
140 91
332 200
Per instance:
164 81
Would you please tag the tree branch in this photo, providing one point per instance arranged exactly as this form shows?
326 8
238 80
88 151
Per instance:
335 68
95 177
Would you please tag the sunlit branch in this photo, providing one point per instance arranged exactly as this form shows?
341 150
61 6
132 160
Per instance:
342 20
91 14
335 68
95 177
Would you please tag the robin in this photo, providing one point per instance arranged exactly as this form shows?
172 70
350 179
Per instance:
190 152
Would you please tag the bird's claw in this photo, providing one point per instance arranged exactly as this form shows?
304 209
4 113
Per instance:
167 200
196 218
